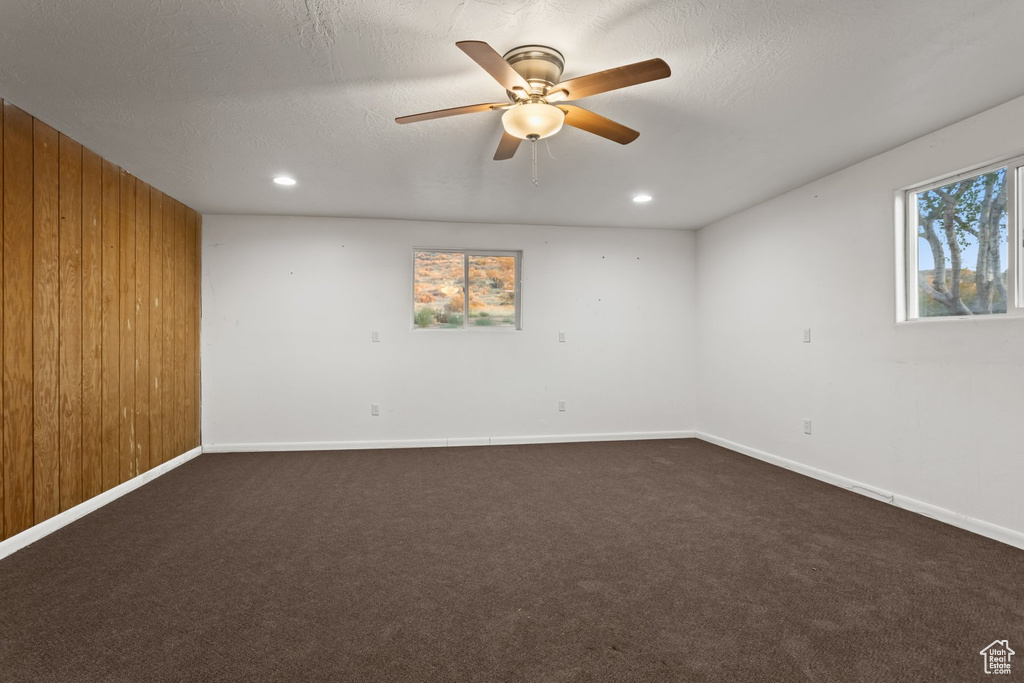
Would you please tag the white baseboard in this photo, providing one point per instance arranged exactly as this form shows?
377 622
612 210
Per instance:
470 441
290 446
47 527
438 443
580 438
972 524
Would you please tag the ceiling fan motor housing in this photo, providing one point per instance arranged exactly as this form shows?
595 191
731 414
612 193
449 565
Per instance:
539 65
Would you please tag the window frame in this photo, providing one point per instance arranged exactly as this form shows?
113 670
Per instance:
517 290
908 244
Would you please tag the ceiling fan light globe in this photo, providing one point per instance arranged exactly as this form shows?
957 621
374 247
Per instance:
533 118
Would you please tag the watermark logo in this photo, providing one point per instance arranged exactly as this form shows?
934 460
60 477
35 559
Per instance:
997 657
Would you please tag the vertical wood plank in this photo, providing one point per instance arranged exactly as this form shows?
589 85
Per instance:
179 328
170 321
190 328
126 415
167 393
92 316
142 229
198 303
156 330
111 313
70 323
3 527
17 343
46 320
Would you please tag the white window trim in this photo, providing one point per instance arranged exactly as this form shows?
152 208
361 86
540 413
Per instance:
907 244
493 329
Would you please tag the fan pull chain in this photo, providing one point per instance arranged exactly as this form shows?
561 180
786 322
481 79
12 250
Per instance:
534 148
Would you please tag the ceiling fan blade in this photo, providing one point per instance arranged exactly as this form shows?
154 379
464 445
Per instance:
613 79
454 111
494 64
577 117
507 147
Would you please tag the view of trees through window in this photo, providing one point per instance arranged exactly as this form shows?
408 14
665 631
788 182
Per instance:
440 296
962 247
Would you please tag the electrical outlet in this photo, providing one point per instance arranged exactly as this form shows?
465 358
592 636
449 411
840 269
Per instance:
561 337
807 335
561 406
375 409
807 426
375 336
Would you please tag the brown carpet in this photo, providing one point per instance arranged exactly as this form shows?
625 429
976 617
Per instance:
629 561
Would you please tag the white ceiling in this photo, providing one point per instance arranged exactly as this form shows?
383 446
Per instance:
208 99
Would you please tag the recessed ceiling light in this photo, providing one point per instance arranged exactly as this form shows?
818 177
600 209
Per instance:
641 198
284 180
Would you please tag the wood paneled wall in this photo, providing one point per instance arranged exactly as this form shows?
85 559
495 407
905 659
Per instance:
99 336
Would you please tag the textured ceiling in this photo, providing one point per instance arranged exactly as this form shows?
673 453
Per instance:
208 99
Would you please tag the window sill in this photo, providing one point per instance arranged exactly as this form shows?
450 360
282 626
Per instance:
485 329
1016 314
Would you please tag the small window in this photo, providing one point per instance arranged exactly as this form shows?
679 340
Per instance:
466 289
958 256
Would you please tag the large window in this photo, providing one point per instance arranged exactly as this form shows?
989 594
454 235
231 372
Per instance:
962 244
466 289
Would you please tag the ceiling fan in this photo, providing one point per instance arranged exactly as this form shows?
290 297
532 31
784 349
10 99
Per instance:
539 103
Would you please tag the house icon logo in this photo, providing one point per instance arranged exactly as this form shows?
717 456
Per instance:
997 657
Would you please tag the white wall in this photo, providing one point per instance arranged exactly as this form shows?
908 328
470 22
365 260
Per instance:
289 305
913 409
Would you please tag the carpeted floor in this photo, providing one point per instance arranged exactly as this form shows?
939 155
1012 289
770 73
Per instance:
628 561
